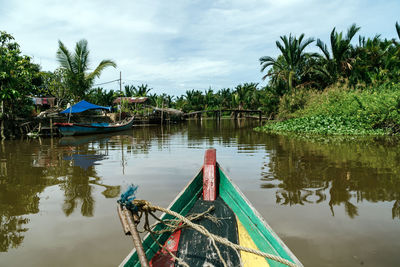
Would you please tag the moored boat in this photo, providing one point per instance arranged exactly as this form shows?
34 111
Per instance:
68 129
232 217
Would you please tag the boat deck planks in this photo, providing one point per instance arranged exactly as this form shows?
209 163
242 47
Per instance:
196 249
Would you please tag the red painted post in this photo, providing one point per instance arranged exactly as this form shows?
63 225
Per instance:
210 175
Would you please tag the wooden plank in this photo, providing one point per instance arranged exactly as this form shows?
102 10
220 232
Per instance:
210 175
249 259
261 233
197 250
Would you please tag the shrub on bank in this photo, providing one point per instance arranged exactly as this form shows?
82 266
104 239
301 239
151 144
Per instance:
340 111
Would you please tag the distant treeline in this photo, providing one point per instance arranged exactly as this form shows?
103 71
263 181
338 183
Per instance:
295 78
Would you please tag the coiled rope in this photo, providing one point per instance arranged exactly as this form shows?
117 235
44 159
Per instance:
147 208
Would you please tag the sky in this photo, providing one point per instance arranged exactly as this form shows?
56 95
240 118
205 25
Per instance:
174 46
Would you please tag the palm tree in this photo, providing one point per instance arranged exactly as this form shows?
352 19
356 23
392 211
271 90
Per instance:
152 99
141 90
76 64
180 102
243 94
290 64
195 100
210 101
225 96
129 90
101 97
340 61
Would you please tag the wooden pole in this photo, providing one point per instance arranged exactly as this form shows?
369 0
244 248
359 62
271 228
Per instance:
2 129
51 127
120 95
120 82
129 224
162 112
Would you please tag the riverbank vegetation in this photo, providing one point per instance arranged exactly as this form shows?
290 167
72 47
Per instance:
345 86
340 110
345 89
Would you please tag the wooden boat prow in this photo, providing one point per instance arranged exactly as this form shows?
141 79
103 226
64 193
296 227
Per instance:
246 225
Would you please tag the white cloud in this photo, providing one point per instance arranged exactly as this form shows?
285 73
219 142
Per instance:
180 45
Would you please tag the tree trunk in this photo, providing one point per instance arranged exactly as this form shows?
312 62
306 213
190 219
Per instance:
290 80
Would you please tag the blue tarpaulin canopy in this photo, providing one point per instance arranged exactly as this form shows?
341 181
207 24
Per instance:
83 106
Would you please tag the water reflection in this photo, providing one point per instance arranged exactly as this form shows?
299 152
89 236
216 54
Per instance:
20 187
338 174
83 154
345 172
27 167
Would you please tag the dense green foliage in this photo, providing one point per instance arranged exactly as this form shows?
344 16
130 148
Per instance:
347 90
19 78
54 84
342 111
243 96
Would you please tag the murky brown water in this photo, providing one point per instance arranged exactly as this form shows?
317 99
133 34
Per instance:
334 203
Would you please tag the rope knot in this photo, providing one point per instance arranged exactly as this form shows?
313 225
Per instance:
143 205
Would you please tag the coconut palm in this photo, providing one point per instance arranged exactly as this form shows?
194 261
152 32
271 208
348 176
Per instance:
291 63
76 64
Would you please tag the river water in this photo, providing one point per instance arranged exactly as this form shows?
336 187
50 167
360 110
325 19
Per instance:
334 202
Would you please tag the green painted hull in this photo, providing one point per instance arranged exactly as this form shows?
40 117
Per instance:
261 233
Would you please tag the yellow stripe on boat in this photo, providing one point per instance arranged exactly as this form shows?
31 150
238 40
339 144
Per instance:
249 259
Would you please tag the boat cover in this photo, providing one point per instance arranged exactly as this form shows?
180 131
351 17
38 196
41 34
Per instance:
83 106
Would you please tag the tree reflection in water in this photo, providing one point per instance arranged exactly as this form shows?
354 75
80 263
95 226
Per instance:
81 157
76 187
305 170
300 171
27 167
345 171
21 182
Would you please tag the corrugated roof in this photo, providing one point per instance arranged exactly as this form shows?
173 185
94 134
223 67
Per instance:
140 99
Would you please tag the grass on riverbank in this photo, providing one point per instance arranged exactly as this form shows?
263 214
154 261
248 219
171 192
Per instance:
340 111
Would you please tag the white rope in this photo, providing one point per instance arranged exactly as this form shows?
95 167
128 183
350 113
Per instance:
146 206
